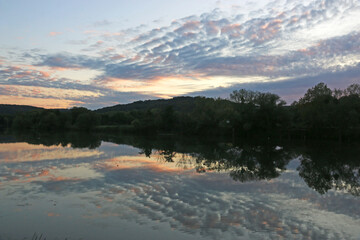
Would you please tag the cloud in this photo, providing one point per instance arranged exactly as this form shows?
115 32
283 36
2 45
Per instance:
110 97
77 42
102 23
44 92
39 102
214 45
293 88
53 34
125 186
65 61
273 41
42 86
22 152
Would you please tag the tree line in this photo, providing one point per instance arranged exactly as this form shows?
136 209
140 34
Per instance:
321 113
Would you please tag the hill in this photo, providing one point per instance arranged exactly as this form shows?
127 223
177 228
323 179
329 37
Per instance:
8 109
181 104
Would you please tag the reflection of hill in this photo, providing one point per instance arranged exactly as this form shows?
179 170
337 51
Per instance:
74 139
323 167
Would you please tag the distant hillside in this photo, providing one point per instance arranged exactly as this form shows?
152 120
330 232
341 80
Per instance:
181 104
13 109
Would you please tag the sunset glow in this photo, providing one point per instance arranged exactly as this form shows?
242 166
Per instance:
64 55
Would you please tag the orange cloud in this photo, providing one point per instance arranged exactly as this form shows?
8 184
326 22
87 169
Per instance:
45 92
61 179
22 152
44 74
52 34
13 147
182 162
44 173
51 214
168 86
129 162
39 102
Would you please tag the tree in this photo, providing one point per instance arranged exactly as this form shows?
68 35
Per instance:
243 96
319 91
76 111
87 120
353 89
49 121
259 112
268 100
168 118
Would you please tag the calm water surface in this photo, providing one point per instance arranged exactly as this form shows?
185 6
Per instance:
92 187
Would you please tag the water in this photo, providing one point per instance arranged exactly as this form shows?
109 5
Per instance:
73 186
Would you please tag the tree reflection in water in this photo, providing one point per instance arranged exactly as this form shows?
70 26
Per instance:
247 163
322 166
327 167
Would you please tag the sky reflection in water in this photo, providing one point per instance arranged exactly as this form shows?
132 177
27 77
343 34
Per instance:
225 192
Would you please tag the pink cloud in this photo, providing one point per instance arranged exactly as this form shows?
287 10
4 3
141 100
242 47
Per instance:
44 74
189 26
233 30
212 28
53 34
117 57
36 91
93 32
23 74
267 31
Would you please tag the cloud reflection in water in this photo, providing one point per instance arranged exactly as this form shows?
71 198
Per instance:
165 190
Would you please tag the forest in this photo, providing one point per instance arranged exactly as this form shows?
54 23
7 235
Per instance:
321 113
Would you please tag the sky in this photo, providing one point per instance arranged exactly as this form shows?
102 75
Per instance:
61 54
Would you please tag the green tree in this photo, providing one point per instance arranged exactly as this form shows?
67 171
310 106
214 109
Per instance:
243 96
49 121
353 89
317 109
318 92
87 121
168 118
